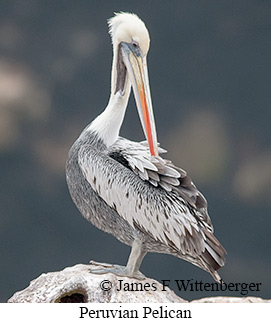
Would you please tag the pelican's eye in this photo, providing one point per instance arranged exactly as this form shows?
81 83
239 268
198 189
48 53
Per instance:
135 44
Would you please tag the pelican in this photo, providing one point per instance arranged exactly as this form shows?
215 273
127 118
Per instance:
126 188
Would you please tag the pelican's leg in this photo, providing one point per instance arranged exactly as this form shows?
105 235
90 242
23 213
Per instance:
132 267
135 260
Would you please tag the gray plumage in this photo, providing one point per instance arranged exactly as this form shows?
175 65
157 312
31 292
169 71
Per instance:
166 217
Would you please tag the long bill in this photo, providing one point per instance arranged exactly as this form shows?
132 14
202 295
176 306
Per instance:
138 73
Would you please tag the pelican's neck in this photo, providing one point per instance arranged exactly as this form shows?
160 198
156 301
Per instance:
107 124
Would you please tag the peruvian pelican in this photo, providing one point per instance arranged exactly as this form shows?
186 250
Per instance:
125 188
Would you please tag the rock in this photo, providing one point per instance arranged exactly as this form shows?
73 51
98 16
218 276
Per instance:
77 285
229 299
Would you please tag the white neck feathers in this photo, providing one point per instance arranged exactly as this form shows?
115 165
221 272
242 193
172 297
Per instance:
107 124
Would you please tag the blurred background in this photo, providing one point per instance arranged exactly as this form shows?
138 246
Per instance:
209 69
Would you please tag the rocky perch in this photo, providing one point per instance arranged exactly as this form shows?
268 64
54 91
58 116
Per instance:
78 285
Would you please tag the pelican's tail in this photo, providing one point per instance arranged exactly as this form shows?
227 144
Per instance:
213 256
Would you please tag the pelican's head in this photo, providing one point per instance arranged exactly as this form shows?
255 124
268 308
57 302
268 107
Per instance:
131 43
129 28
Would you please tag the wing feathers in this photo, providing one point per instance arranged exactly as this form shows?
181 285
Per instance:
170 208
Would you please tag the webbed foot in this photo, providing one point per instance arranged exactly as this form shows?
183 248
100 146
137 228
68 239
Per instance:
103 268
